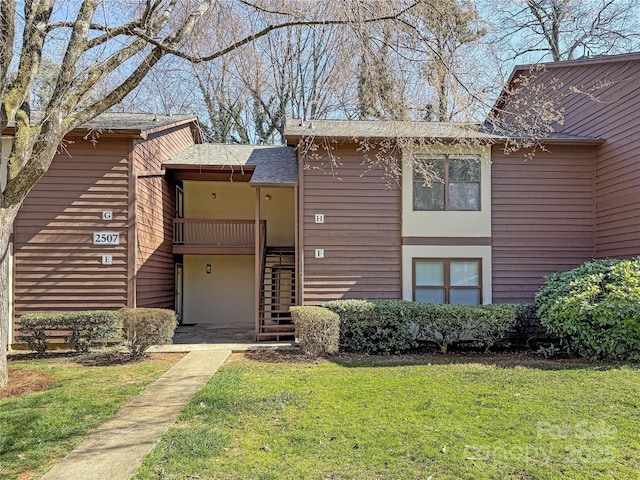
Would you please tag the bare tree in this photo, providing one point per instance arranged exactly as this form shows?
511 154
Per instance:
447 27
298 71
101 62
565 29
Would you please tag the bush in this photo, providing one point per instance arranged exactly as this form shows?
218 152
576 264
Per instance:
594 309
34 330
375 326
86 329
399 326
317 329
91 328
144 327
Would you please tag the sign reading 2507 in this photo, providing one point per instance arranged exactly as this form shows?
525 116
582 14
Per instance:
106 238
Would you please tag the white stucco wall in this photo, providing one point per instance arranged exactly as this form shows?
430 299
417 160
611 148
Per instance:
236 201
447 223
411 252
223 297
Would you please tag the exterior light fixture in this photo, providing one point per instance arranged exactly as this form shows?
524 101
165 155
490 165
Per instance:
213 195
208 268
267 197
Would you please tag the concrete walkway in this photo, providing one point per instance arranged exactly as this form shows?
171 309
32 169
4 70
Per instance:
115 449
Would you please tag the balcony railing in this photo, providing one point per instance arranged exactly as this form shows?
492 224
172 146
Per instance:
215 233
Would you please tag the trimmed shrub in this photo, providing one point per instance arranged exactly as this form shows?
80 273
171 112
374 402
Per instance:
445 325
34 329
375 326
317 329
144 327
85 329
399 326
498 322
594 309
91 328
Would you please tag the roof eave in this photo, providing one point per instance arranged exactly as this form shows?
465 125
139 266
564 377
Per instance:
159 128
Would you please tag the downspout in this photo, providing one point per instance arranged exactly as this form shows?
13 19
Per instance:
132 240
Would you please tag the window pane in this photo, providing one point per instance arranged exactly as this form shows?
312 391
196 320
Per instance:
464 170
464 296
428 198
464 274
429 273
428 168
464 196
430 295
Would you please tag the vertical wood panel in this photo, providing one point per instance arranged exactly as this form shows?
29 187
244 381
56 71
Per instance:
361 233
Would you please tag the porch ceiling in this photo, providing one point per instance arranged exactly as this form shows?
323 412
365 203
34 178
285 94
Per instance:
272 165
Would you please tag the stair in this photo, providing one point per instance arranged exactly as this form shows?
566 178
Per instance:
277 294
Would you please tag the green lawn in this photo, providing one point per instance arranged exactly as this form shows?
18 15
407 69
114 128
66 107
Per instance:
39 428
499 417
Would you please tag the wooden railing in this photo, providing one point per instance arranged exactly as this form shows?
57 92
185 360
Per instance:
215 233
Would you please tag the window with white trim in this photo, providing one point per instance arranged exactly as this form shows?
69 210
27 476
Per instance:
458 188
455 280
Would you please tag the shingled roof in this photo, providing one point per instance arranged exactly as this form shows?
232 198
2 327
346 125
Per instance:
138 124
273 165
296 129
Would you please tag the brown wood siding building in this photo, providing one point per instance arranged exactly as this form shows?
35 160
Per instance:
361 233
57 267
615 118
155 210
542 217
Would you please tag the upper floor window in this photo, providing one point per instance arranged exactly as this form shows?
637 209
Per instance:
459 185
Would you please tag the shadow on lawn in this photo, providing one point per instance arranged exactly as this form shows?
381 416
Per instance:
500 360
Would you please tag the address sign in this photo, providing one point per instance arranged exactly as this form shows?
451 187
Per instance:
106 238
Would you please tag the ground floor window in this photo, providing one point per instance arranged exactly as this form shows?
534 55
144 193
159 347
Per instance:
455 280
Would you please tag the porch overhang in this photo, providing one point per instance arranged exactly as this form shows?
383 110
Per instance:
261 166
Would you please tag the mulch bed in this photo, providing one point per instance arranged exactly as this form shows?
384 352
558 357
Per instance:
22 382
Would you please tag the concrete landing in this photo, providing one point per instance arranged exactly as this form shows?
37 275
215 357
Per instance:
115 449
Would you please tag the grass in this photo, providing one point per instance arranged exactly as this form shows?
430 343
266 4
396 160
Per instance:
485 418
39 428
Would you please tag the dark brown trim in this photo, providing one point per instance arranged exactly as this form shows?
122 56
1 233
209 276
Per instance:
132 259
211 176
447 277
296 244
257 263
301 245
206 250
151 173
447 241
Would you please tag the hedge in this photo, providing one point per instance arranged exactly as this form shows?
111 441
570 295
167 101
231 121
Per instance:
400 326
317 329
85 329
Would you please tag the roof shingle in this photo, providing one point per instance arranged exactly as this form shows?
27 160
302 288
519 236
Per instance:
274 165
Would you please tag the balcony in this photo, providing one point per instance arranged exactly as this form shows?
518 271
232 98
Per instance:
224 237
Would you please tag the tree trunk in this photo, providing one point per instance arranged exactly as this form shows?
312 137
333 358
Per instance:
7 216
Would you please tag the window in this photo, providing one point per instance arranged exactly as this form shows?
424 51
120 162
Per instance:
459 188
455 281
